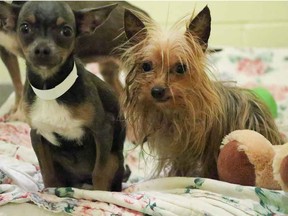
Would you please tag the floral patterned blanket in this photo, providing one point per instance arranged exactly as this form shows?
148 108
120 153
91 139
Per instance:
21 181
258 67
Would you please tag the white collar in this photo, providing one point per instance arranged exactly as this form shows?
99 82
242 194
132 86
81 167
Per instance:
60 89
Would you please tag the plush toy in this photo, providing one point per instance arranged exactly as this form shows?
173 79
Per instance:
248 158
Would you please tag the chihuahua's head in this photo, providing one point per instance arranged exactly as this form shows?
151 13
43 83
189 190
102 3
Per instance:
47 30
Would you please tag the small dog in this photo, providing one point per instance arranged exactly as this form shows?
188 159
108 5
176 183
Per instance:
9 50
77 132
95 47
174 105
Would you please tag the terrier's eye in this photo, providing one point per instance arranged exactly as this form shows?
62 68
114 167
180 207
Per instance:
25 28
147 66
180 68
66 31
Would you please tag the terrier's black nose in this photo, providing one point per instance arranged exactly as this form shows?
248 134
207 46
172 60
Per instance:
158 92
42 51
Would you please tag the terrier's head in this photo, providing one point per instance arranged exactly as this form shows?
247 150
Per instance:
167 88
166 67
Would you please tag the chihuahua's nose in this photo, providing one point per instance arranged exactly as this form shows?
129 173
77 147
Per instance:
42 51
158 92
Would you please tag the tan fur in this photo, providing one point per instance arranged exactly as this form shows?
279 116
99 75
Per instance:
31 19
85 112
60 21
185 132
108 172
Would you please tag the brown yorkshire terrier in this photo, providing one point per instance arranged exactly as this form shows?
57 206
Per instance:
171 102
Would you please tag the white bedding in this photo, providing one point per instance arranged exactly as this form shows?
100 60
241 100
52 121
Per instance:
21 180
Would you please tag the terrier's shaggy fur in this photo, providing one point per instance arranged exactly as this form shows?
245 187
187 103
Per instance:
171 101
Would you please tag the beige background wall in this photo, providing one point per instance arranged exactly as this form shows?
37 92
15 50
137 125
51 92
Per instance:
257 24
236 23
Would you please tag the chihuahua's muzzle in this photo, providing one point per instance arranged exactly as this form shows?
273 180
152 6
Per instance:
43 55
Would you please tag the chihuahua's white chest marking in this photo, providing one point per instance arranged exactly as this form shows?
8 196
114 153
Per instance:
48 117
9 42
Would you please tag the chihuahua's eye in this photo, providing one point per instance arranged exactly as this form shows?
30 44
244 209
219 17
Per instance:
25 28
66 31
180 68
147 66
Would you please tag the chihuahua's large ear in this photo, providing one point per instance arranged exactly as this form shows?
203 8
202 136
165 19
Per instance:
88 20
200 26
134 28
8 15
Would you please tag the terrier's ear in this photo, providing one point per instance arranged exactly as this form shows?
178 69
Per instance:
200 26
88 20
134 28
8 16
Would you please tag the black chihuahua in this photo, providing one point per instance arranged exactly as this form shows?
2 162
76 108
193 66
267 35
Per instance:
96 47
77 130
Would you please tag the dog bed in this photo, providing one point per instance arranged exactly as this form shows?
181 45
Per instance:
21 181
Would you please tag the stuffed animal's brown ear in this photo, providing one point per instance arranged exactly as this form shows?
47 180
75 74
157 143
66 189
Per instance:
200 26
8 16
88 20
134 28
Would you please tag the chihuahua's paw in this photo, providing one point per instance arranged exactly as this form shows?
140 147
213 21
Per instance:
85 186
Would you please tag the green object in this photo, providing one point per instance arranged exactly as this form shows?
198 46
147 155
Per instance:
266 96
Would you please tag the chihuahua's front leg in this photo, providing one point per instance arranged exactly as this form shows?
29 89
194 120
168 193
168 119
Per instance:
43 151
107 163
